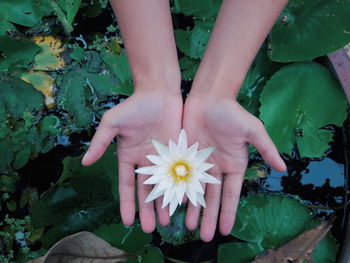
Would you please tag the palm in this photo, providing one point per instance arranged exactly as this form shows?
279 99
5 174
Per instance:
223 123
142 116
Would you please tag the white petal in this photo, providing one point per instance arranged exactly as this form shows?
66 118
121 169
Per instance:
154 194
192 196
182 142
180 191
173 205
168 196
204 166
153 180
161 149
158 160
201 200
196 186
173 150
203 154
149 170
166 183
191 152
207 178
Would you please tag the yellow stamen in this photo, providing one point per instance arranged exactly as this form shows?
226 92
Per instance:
180 171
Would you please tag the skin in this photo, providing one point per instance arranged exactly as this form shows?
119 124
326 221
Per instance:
210 115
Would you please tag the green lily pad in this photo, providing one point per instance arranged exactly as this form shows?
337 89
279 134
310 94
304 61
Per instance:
297 101
193 42
128 238
83 199
203 9
267 221
310 28
188 67
176 231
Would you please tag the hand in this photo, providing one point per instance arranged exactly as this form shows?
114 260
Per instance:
144 115
214 120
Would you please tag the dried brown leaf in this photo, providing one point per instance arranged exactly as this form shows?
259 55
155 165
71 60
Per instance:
82 247
298 249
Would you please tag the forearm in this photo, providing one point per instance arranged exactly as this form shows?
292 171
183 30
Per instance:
241 27
147 31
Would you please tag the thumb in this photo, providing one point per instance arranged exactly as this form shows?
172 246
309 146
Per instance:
104 134
263 143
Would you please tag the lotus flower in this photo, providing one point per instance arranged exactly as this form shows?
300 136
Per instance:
178 170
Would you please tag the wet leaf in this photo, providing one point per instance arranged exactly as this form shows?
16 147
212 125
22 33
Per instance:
266 221
129 238
297 102
78 202
16 53
310 28
188 67
49 57
298 249
42 82
255 171
198 8
83 247
193 42
176 232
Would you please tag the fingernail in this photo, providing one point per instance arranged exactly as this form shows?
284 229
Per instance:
85 156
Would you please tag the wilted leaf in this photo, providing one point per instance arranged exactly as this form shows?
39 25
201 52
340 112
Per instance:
42 82
16 53
176 231
266 221
49 58
193 42
310 28
83 247
297 101
198 8
298 249
255 171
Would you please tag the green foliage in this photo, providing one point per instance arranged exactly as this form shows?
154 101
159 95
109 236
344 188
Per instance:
16 54
310 28
188 67
297 102
193 42
79 201
176 231
268 221
198 8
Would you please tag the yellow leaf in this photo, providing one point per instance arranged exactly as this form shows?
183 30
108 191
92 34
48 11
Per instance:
49 58
42 82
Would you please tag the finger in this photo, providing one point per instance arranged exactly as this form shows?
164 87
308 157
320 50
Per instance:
127 192
263 143
230 198
210 214
99 143
146 210
163 214
192 216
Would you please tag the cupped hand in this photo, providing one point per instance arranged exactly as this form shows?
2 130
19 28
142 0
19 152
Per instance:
144 115
219 121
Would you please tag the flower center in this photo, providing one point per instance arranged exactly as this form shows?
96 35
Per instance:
180 171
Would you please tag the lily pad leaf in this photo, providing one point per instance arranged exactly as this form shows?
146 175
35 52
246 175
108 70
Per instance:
309 29
198 8
188 67
297 102
49 58
193 42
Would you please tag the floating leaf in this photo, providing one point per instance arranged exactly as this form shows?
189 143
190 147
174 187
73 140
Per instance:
129 238
310 28
42 82
75 203
188 67
176 231
267 221
83 247
255 171
193 42
198 8
16 53
49 57
297 101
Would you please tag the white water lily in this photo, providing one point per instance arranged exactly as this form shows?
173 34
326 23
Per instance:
178 170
